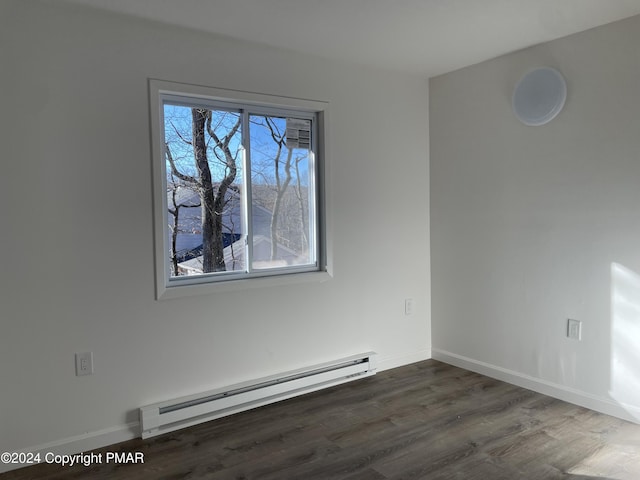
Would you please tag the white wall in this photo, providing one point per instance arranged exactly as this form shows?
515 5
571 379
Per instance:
75 193
535 225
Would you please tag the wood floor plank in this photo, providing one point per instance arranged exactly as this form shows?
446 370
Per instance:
426 421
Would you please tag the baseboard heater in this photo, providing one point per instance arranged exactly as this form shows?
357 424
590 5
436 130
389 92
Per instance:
191 410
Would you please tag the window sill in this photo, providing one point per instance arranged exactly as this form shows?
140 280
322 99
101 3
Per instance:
177 291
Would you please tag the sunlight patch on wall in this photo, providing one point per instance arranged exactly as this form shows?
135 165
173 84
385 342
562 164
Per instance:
625 338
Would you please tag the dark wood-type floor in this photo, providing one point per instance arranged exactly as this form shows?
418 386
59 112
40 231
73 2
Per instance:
423 421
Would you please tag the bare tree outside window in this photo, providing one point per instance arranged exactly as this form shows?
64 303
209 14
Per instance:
221 219
202 155
279 171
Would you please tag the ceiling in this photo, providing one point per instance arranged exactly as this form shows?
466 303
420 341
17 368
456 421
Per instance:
427 37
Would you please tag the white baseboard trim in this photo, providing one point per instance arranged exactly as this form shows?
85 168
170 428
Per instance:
109 436
599 404
80 443
394 362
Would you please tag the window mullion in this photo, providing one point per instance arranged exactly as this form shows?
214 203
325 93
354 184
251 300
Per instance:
247 197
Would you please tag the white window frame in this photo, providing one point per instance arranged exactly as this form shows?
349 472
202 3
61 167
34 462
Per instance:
168 287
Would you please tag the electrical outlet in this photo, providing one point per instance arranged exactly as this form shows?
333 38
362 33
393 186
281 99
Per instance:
574 329
408 306
84 363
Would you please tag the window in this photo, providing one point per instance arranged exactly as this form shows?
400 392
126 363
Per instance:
237 182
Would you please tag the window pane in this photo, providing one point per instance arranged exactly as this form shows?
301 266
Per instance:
282 191
204 177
